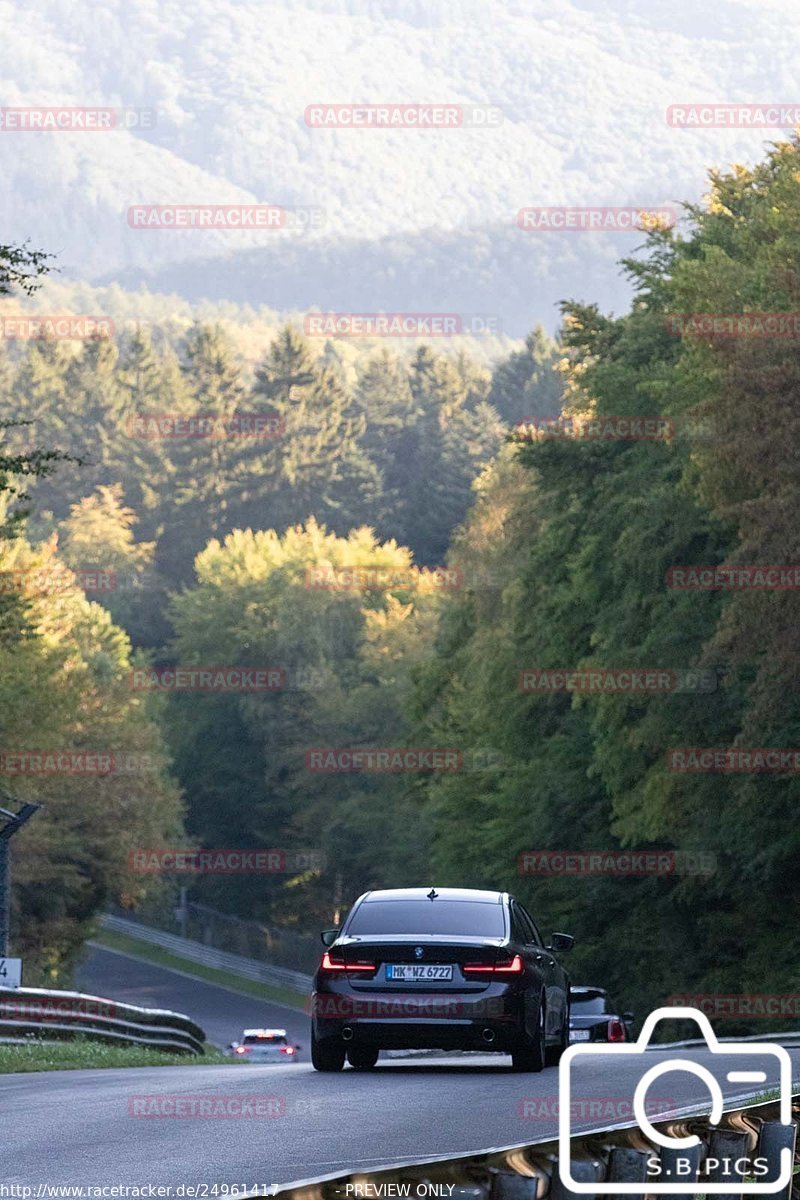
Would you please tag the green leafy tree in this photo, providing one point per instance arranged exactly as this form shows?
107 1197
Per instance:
347 653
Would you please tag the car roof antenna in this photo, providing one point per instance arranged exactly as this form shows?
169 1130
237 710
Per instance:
432 894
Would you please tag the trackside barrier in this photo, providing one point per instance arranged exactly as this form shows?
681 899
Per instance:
791 1038
207 956
530 1171
40 1014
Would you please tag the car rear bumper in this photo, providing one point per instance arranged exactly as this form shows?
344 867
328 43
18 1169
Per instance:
422 1035
411 1021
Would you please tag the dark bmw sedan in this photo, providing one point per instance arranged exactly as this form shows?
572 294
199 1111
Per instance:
594 1017
447 968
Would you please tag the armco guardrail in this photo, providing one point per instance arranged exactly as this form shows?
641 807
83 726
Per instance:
45 1015
790 1039
621 1154
207 956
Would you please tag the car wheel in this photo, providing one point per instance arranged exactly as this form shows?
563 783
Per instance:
529 1054
362 1058
327 1054
553 1054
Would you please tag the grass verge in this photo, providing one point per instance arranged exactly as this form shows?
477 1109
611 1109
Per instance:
82 1053
166 958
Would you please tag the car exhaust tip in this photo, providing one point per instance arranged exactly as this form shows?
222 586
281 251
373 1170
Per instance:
488 1036
347 1033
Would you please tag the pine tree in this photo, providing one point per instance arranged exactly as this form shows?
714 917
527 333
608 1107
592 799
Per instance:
204 468
319 467
527 384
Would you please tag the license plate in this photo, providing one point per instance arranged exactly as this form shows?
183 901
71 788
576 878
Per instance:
579 1035
418 973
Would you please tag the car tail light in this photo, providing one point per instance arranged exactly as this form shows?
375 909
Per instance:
617 1032
512 966
287 1049
329 964
242 1049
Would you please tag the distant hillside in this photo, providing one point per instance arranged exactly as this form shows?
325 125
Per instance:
419 219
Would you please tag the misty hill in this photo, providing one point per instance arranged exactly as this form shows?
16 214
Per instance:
583 89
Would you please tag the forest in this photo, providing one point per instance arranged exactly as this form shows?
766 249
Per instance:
403 543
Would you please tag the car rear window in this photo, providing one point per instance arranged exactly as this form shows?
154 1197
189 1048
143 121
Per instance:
269 1040
420 917
589 1004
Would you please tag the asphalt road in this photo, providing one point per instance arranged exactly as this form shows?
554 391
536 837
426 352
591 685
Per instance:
223 1014
117 1127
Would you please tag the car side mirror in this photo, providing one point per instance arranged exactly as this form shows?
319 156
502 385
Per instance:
628 1018
329 936
561 942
